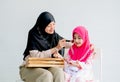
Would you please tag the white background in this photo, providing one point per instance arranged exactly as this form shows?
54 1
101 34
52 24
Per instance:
101 18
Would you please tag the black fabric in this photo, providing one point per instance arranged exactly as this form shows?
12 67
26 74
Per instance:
38 39
43 20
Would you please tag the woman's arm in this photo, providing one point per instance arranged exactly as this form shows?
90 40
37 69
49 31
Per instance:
43 54
68 44
49 52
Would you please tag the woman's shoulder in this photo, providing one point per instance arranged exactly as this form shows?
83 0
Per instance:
58 36
33 32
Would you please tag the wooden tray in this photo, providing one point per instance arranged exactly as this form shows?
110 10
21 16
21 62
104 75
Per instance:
44 62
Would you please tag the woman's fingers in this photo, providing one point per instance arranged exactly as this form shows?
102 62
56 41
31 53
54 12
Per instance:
57 55
61 43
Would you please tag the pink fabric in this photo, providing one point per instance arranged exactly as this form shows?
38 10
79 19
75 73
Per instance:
83 52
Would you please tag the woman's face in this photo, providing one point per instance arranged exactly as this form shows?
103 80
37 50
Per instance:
50 28
78 41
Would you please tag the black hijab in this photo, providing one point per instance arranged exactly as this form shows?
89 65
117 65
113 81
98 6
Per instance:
38 39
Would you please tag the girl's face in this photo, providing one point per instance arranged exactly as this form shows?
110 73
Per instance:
78 41
50 28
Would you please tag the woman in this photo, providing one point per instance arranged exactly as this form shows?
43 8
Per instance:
43 42
78 65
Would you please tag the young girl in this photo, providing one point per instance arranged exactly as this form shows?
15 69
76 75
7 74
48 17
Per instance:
78 67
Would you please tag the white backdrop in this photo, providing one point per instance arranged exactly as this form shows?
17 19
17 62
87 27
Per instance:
101 18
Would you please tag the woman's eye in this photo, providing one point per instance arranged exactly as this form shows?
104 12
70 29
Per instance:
48 25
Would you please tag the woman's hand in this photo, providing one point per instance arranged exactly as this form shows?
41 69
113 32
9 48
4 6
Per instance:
57 55
61 44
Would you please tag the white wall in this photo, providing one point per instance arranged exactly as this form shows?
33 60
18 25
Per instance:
101 18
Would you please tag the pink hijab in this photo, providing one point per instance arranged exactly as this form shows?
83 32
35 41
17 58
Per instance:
83 52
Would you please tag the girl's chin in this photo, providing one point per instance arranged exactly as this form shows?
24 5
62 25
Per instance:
78 45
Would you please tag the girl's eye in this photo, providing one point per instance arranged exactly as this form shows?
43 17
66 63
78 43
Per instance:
79 38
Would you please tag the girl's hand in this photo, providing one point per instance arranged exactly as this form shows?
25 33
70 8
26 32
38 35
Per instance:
78 64
72 63
93 50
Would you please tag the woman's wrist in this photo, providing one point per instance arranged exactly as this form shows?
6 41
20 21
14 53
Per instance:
56 49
